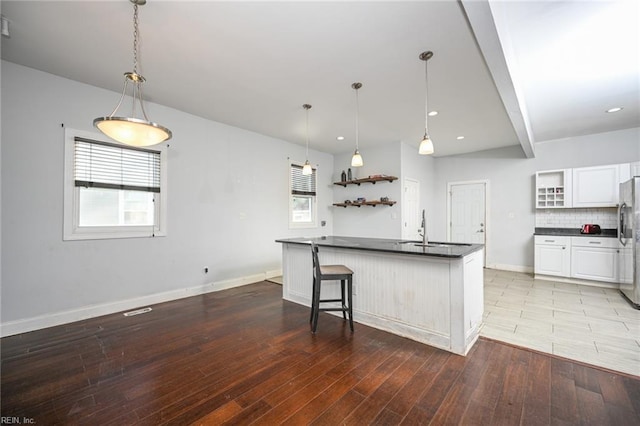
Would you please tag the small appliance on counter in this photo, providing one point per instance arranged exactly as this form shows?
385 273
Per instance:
590 229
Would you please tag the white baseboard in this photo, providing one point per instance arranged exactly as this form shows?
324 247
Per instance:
11 328
567 280
512 268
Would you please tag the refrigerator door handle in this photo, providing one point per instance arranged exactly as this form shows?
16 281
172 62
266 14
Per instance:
621 223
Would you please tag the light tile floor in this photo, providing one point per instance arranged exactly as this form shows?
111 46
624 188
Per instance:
589 324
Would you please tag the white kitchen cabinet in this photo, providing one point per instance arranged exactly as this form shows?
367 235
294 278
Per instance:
629 170
596 186
594 258
552 255
553 189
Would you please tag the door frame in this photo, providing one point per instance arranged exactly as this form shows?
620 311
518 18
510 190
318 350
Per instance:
403 210
487 221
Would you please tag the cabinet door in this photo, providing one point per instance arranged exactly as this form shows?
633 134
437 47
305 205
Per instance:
552 260
592 263
596 186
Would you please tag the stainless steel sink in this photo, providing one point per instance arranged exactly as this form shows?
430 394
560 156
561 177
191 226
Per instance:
419 243
442 245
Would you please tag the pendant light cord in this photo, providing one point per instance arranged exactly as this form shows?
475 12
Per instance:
357 120
135 38
426 97
307 133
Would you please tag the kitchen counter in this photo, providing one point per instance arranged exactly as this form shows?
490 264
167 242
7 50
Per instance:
448 250
574 232
430 294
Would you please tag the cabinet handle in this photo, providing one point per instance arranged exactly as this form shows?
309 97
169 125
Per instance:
549 241
563 247
595 242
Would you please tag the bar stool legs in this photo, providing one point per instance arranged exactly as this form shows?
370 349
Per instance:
331 273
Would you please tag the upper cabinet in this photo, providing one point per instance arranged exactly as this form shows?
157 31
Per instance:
583 187
596 186
553 189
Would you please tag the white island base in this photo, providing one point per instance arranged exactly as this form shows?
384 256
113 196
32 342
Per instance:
431 299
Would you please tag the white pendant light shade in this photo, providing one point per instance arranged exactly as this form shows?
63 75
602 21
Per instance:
356 160
307 169
130 130
426 146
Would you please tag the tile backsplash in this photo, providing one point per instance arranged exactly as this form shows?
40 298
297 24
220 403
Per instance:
575 218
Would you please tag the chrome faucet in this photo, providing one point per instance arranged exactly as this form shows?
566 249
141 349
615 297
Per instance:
425 239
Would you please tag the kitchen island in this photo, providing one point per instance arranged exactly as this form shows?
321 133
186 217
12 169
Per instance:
432 294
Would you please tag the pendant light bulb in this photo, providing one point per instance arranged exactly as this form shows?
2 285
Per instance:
426 146
356 160
307 169
130 130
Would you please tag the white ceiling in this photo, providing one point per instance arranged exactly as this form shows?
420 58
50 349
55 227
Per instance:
253 64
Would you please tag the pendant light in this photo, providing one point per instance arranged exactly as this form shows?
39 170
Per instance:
426 146
130 130
307 169
356 160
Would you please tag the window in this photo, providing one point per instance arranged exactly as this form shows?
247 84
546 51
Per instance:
302 199
112 190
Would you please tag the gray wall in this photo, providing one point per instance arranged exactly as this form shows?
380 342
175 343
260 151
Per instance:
511 177
227 203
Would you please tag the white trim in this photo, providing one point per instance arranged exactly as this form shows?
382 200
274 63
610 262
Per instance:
314 207
512 268
487 218
403 199
11 328
70 230
590 283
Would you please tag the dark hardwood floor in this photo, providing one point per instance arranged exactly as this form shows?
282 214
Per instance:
244 355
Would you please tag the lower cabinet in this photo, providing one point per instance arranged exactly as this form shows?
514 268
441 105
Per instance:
594 258
552 255
587 258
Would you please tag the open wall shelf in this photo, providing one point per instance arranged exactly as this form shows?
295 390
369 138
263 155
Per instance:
370 179
366 203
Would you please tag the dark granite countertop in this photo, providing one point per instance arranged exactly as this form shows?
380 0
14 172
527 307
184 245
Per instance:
574 232
451 250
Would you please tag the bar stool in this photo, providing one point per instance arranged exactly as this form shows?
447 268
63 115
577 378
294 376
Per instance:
330 273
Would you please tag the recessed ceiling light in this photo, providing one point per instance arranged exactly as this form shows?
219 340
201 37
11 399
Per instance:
340 138
616 109
460 138
432 113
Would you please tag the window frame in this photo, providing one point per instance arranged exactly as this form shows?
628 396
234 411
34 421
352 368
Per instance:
314 204
71 207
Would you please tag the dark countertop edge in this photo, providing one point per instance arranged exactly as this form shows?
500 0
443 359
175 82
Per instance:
575 232
307 241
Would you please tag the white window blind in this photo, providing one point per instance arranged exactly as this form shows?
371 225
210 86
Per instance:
104 165
301 184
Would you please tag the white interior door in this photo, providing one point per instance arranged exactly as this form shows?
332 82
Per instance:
411 210
467 213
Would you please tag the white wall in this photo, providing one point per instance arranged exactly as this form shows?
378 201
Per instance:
227 203
512 180
367 221
421 168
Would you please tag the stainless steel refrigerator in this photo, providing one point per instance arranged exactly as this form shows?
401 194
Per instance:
629 236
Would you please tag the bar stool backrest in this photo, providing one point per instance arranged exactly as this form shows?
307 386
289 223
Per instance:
316 263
